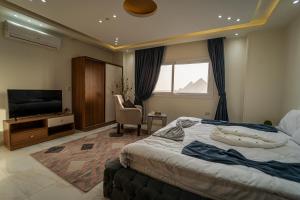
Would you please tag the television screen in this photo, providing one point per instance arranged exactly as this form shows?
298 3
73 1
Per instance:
33 102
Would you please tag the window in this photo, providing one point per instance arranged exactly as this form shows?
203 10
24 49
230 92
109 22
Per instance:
164 83
189 78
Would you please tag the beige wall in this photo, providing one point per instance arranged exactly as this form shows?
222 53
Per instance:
183 105
292 68
254 68
25 66
262 73
117 58
235 50
204 107
263 80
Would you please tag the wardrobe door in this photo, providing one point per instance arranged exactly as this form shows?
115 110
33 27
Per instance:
94 92
113 86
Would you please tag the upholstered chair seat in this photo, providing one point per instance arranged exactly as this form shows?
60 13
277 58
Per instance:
127 115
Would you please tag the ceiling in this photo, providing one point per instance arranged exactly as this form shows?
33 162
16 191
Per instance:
175 20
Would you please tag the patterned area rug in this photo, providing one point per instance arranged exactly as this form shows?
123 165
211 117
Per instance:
81 162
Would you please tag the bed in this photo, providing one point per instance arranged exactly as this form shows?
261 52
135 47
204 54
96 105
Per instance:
161 159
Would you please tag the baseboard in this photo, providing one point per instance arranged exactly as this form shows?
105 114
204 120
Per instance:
1 138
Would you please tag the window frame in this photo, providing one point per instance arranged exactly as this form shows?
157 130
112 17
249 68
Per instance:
210 86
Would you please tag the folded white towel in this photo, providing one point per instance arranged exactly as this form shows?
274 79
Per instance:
245 137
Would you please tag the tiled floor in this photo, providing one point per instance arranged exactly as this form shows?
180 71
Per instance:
23 178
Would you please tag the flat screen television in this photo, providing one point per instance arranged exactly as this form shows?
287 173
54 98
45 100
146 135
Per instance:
23 103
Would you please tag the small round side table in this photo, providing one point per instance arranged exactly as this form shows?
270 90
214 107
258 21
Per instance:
153 116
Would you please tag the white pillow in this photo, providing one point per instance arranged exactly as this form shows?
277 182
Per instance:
296 136
290 122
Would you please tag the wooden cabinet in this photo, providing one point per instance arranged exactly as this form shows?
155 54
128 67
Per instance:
88 92
32 130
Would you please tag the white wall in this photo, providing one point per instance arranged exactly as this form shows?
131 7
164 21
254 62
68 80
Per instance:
254 68
25 66
200 106
235 50
183 105
292 68
264 80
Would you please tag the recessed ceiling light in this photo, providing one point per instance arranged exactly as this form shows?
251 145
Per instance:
114 16
228 18
220 16
28 20
236 34
238 19
296 1
44 1
100 21
15 15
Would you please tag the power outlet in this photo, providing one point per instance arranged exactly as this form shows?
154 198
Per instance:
207 113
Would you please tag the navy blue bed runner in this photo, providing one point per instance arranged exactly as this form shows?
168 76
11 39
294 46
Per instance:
259 127
289 171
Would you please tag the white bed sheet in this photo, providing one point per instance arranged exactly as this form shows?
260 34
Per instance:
162 159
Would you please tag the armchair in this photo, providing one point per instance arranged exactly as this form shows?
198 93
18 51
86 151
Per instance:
127 115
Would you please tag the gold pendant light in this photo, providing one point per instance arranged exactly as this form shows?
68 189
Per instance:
140 8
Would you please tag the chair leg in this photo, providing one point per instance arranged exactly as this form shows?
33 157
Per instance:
139 130
118 133
122 126
118 129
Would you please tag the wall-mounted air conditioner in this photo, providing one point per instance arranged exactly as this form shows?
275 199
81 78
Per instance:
23 33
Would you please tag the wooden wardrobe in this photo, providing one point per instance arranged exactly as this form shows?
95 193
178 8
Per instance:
94 82
88 92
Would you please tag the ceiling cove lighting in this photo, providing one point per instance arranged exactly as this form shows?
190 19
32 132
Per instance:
140 8
296 1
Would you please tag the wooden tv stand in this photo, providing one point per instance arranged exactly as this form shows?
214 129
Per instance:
27 131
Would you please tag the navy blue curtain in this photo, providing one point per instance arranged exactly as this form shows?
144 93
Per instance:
216 53
147 68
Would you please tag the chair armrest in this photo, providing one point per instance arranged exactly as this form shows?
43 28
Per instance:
129 116
131 110
139 107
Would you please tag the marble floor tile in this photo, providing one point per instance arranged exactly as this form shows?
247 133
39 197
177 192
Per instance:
10 190
58 191
95 193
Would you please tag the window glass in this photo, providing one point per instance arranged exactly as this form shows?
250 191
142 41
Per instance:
164 83
191 78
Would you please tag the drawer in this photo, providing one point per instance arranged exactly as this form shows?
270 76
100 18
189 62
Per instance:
27 137
57 121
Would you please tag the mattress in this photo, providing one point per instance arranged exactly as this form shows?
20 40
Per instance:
161 158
